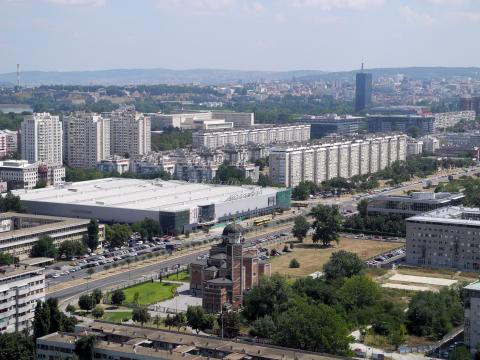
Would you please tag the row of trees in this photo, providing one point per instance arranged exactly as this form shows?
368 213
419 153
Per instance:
73 175
319 314
398 172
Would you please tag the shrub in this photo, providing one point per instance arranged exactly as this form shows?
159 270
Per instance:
294 264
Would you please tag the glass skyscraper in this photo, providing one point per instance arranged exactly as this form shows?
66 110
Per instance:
363 91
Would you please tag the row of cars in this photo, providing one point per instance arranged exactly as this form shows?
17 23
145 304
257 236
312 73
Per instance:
136 247
387 258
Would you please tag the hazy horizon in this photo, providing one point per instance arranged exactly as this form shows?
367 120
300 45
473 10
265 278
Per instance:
246 35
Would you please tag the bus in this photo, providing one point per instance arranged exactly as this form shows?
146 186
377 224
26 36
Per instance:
262 220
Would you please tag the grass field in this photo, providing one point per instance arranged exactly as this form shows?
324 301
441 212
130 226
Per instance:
117 316
183 276
312 256
149 292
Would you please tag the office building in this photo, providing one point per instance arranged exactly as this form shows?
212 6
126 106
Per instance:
42 139
471 335
127 342
19 232
413 204
443 121
209 120
86 139
20 174
291 165
129 132
177 205
258 136
424 124
400 110
430 144
114 164
448 237
329 124
471 103
363 91
12 140
414 147
20 289
231 268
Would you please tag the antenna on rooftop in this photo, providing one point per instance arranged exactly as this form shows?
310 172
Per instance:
362 65
18 75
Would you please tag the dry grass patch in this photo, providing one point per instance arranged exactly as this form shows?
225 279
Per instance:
312 257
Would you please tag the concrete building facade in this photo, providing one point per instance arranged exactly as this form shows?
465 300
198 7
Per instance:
42 139
86 139
448 237
20 289
291 165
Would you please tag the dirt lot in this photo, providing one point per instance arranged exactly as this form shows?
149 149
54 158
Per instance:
313 256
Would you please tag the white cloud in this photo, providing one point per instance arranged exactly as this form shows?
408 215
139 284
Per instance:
77 2
416 17
469 16
208 5
258 7
448 2
337 4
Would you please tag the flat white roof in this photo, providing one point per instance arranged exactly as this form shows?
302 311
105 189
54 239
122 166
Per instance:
142 194
453 215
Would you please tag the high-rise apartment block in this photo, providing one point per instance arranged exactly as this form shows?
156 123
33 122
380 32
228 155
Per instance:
448 237
20 289
42 139
129 132
471 103
291 165
363 90
11 140
259 136
86 139
471 295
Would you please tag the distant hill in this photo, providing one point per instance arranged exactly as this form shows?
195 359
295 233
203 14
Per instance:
150 76
213 76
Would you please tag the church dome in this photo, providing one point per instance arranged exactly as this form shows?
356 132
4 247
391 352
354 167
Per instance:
233 229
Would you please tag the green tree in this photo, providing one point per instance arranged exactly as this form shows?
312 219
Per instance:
16 345
170 321
359 292
118 297
119 234
267 298
263 327
313 328
6 259
97 296
197 318
328 222
86 302
44 247
148 228
11 202
92 234
300 228
460 353
398 336
140 314
157 320
342 264
179 320
98 312
301 192
362 208
71 248
294 264
231 324
85 346
41 320
70 308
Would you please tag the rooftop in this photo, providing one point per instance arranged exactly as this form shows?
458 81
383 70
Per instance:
425 197
13 271
473 286
142 194
453 215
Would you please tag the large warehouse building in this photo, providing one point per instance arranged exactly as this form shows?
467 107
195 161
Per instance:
177 205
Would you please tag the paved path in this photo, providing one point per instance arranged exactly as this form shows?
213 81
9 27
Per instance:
179 303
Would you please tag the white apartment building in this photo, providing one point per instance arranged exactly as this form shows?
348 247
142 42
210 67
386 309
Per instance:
237 118
19 174
86 139
448 119
260 136
430 144
42 139
289 166
414 147
188 120
20 289
129 132
12 140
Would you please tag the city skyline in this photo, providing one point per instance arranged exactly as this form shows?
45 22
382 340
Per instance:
328 35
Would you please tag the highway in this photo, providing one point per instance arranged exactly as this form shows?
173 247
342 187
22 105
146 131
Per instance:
138 273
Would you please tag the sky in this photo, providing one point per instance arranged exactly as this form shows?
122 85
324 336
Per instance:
330 35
